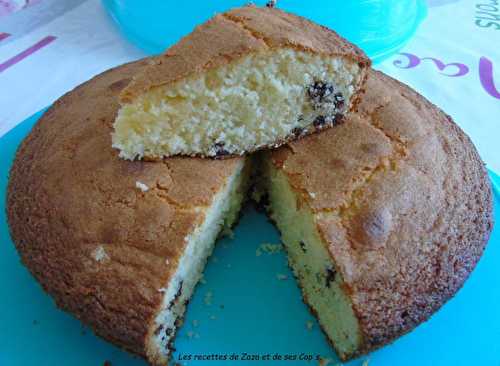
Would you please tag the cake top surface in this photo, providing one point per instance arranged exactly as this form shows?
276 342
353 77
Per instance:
228 36
101 228
403 201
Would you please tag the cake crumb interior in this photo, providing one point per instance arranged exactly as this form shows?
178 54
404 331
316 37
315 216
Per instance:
312 264
200 243
256 101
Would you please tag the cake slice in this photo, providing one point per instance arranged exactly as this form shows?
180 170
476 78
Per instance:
383 217
251 78
119 244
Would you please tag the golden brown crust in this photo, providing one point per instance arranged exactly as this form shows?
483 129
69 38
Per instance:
404 202
70 194
231 35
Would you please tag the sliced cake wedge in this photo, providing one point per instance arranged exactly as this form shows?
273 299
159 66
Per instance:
383 217
251 78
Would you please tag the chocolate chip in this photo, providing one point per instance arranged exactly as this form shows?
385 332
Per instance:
319 121
296 132
158 330
320 90
324 97
271 3
179 291
303 246
176 296
219 149
330 276
339 101
338 119
168 331
405 314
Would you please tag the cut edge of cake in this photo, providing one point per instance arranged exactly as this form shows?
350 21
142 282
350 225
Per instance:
220 215
311 262
260 100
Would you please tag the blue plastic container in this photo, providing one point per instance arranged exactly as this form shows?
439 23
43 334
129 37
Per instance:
379 27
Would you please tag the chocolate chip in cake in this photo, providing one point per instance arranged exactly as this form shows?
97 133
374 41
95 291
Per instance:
319 122
330 276
159 329
319 91
297 131
324 97
303 246
176 296
219 149
339 101
271 3
168 331
179 291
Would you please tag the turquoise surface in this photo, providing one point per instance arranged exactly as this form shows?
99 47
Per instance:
379 27
251 310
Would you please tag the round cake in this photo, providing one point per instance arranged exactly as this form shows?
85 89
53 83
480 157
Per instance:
383 217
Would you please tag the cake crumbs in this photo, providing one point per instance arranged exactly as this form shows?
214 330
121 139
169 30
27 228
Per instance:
208 298
309 325
143 187
203 281
281 277
212 317
366 362
268 248
196 323
324 361
228 232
